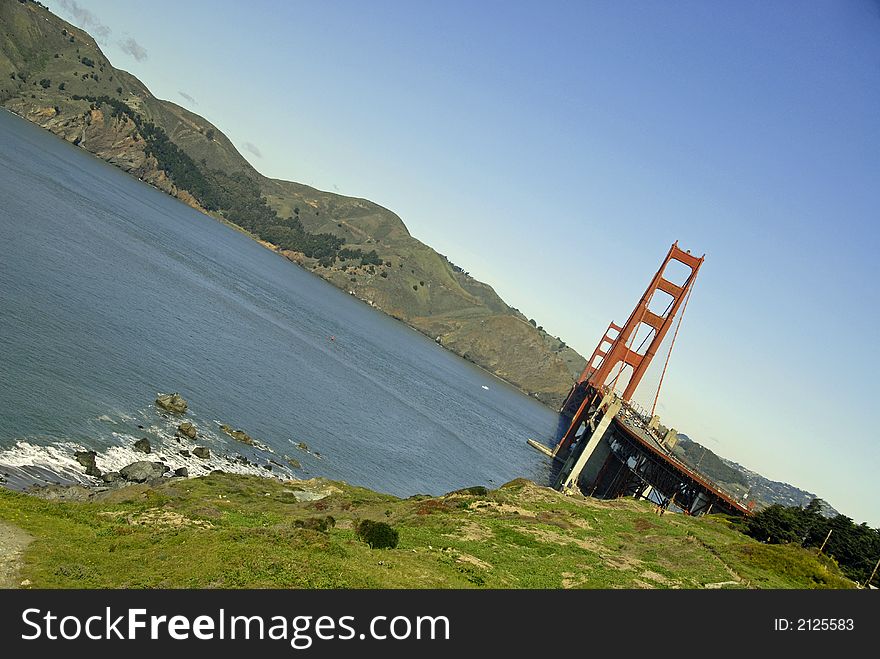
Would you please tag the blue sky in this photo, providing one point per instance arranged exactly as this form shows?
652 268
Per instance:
549 146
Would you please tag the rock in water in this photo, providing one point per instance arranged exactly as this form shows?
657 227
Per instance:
138 472
187 429
181 472
172 402
87 460
201 452
143 445
238 435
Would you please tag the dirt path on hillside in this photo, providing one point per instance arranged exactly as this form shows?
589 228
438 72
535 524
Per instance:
12 543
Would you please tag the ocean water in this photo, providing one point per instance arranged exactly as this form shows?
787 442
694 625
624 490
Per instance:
112 291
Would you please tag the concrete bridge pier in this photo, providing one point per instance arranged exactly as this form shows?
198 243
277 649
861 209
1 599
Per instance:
590 453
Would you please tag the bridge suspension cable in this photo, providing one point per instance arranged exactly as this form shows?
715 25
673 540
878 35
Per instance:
669 354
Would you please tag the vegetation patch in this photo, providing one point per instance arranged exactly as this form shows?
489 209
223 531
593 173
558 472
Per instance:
379 535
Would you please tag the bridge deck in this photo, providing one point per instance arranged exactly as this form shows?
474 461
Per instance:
630 423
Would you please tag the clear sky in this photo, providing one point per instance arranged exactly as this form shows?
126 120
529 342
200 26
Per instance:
556 149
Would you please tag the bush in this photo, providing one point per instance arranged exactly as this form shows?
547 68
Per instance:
476 490
379 535
316 523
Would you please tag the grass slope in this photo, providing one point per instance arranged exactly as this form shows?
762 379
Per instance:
228 531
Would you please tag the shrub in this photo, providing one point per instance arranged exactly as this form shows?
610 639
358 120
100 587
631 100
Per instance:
379 535
316 523
476 490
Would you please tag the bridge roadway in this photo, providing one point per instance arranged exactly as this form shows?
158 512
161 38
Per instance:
631 424
643 462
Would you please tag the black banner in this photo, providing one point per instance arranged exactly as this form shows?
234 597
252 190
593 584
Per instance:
276 623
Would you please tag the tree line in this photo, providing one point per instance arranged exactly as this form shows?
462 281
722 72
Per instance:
855 547
235 196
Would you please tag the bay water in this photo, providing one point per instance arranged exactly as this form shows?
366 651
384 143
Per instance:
112 292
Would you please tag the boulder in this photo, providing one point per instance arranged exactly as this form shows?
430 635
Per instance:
138 472
143 445
181 472
111 476
201 452
87 460
172 402
185 453
237 435
186 429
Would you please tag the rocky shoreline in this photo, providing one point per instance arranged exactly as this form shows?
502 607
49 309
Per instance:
96 482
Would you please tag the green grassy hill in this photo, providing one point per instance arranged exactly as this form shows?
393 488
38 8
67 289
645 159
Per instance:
227 531
54 74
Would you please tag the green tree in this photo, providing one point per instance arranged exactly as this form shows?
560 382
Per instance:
379 535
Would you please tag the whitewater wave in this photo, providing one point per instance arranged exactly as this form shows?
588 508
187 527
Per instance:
26 463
